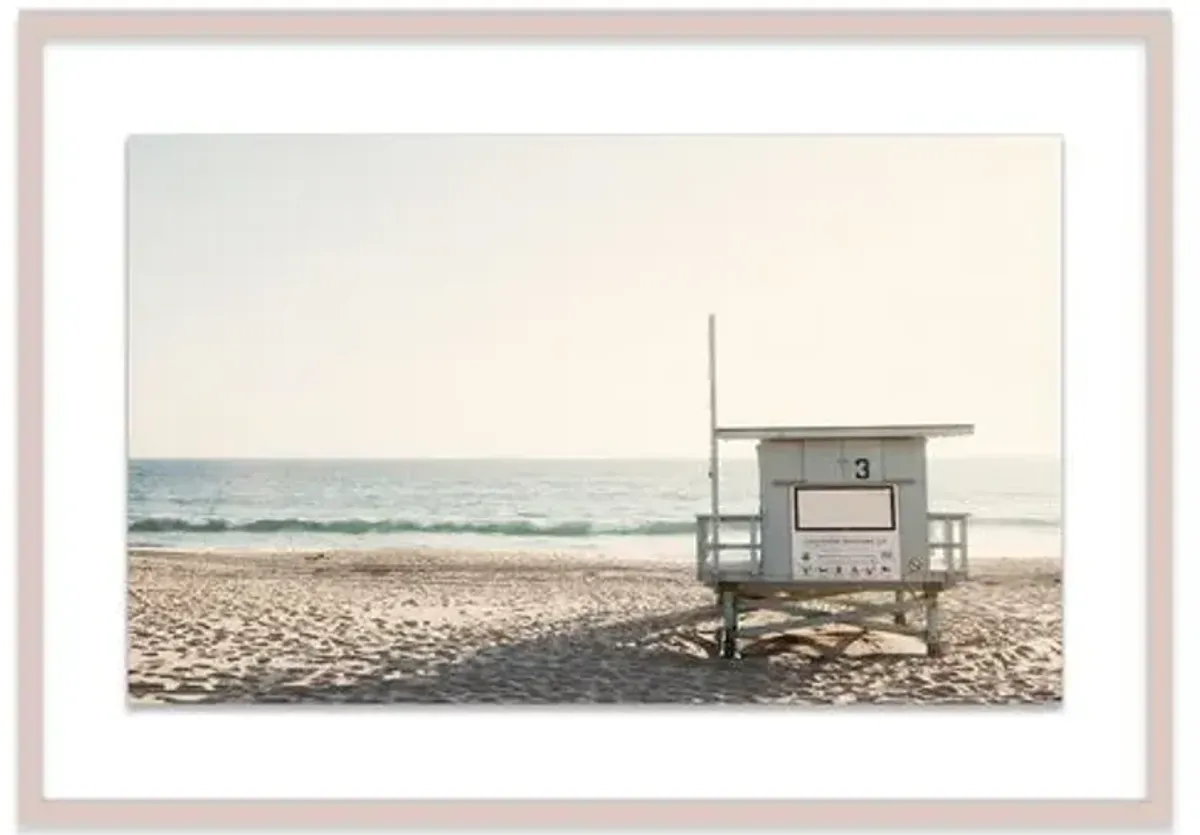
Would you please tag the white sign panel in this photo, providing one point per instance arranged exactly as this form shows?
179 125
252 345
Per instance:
845 534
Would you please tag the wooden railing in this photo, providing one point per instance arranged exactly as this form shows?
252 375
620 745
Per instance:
948 544
740 534
739 547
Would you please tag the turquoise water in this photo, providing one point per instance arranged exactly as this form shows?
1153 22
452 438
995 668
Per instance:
622 508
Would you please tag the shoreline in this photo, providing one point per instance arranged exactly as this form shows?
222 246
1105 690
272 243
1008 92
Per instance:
1004 564
518 627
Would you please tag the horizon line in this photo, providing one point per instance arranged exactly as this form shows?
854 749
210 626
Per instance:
544 458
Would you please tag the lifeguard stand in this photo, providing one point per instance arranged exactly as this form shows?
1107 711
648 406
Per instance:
843 511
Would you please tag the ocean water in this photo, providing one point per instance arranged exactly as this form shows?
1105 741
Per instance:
618 508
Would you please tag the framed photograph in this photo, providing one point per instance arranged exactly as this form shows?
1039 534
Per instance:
366 417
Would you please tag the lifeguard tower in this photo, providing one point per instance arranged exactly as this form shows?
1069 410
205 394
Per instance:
843 513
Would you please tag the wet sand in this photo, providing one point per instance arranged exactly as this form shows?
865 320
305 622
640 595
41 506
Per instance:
477 628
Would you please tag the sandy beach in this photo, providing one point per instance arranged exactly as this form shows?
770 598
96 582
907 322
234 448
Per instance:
425 626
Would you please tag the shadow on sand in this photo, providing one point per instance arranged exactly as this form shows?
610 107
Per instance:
664 659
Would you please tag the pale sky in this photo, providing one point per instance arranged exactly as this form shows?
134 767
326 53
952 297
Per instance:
403 296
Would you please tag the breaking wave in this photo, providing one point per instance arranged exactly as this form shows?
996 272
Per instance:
171 524
515 528
1015 521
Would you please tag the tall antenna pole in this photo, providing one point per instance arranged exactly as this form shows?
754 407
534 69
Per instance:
714 473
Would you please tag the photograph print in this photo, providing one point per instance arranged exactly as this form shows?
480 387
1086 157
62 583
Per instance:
492 419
